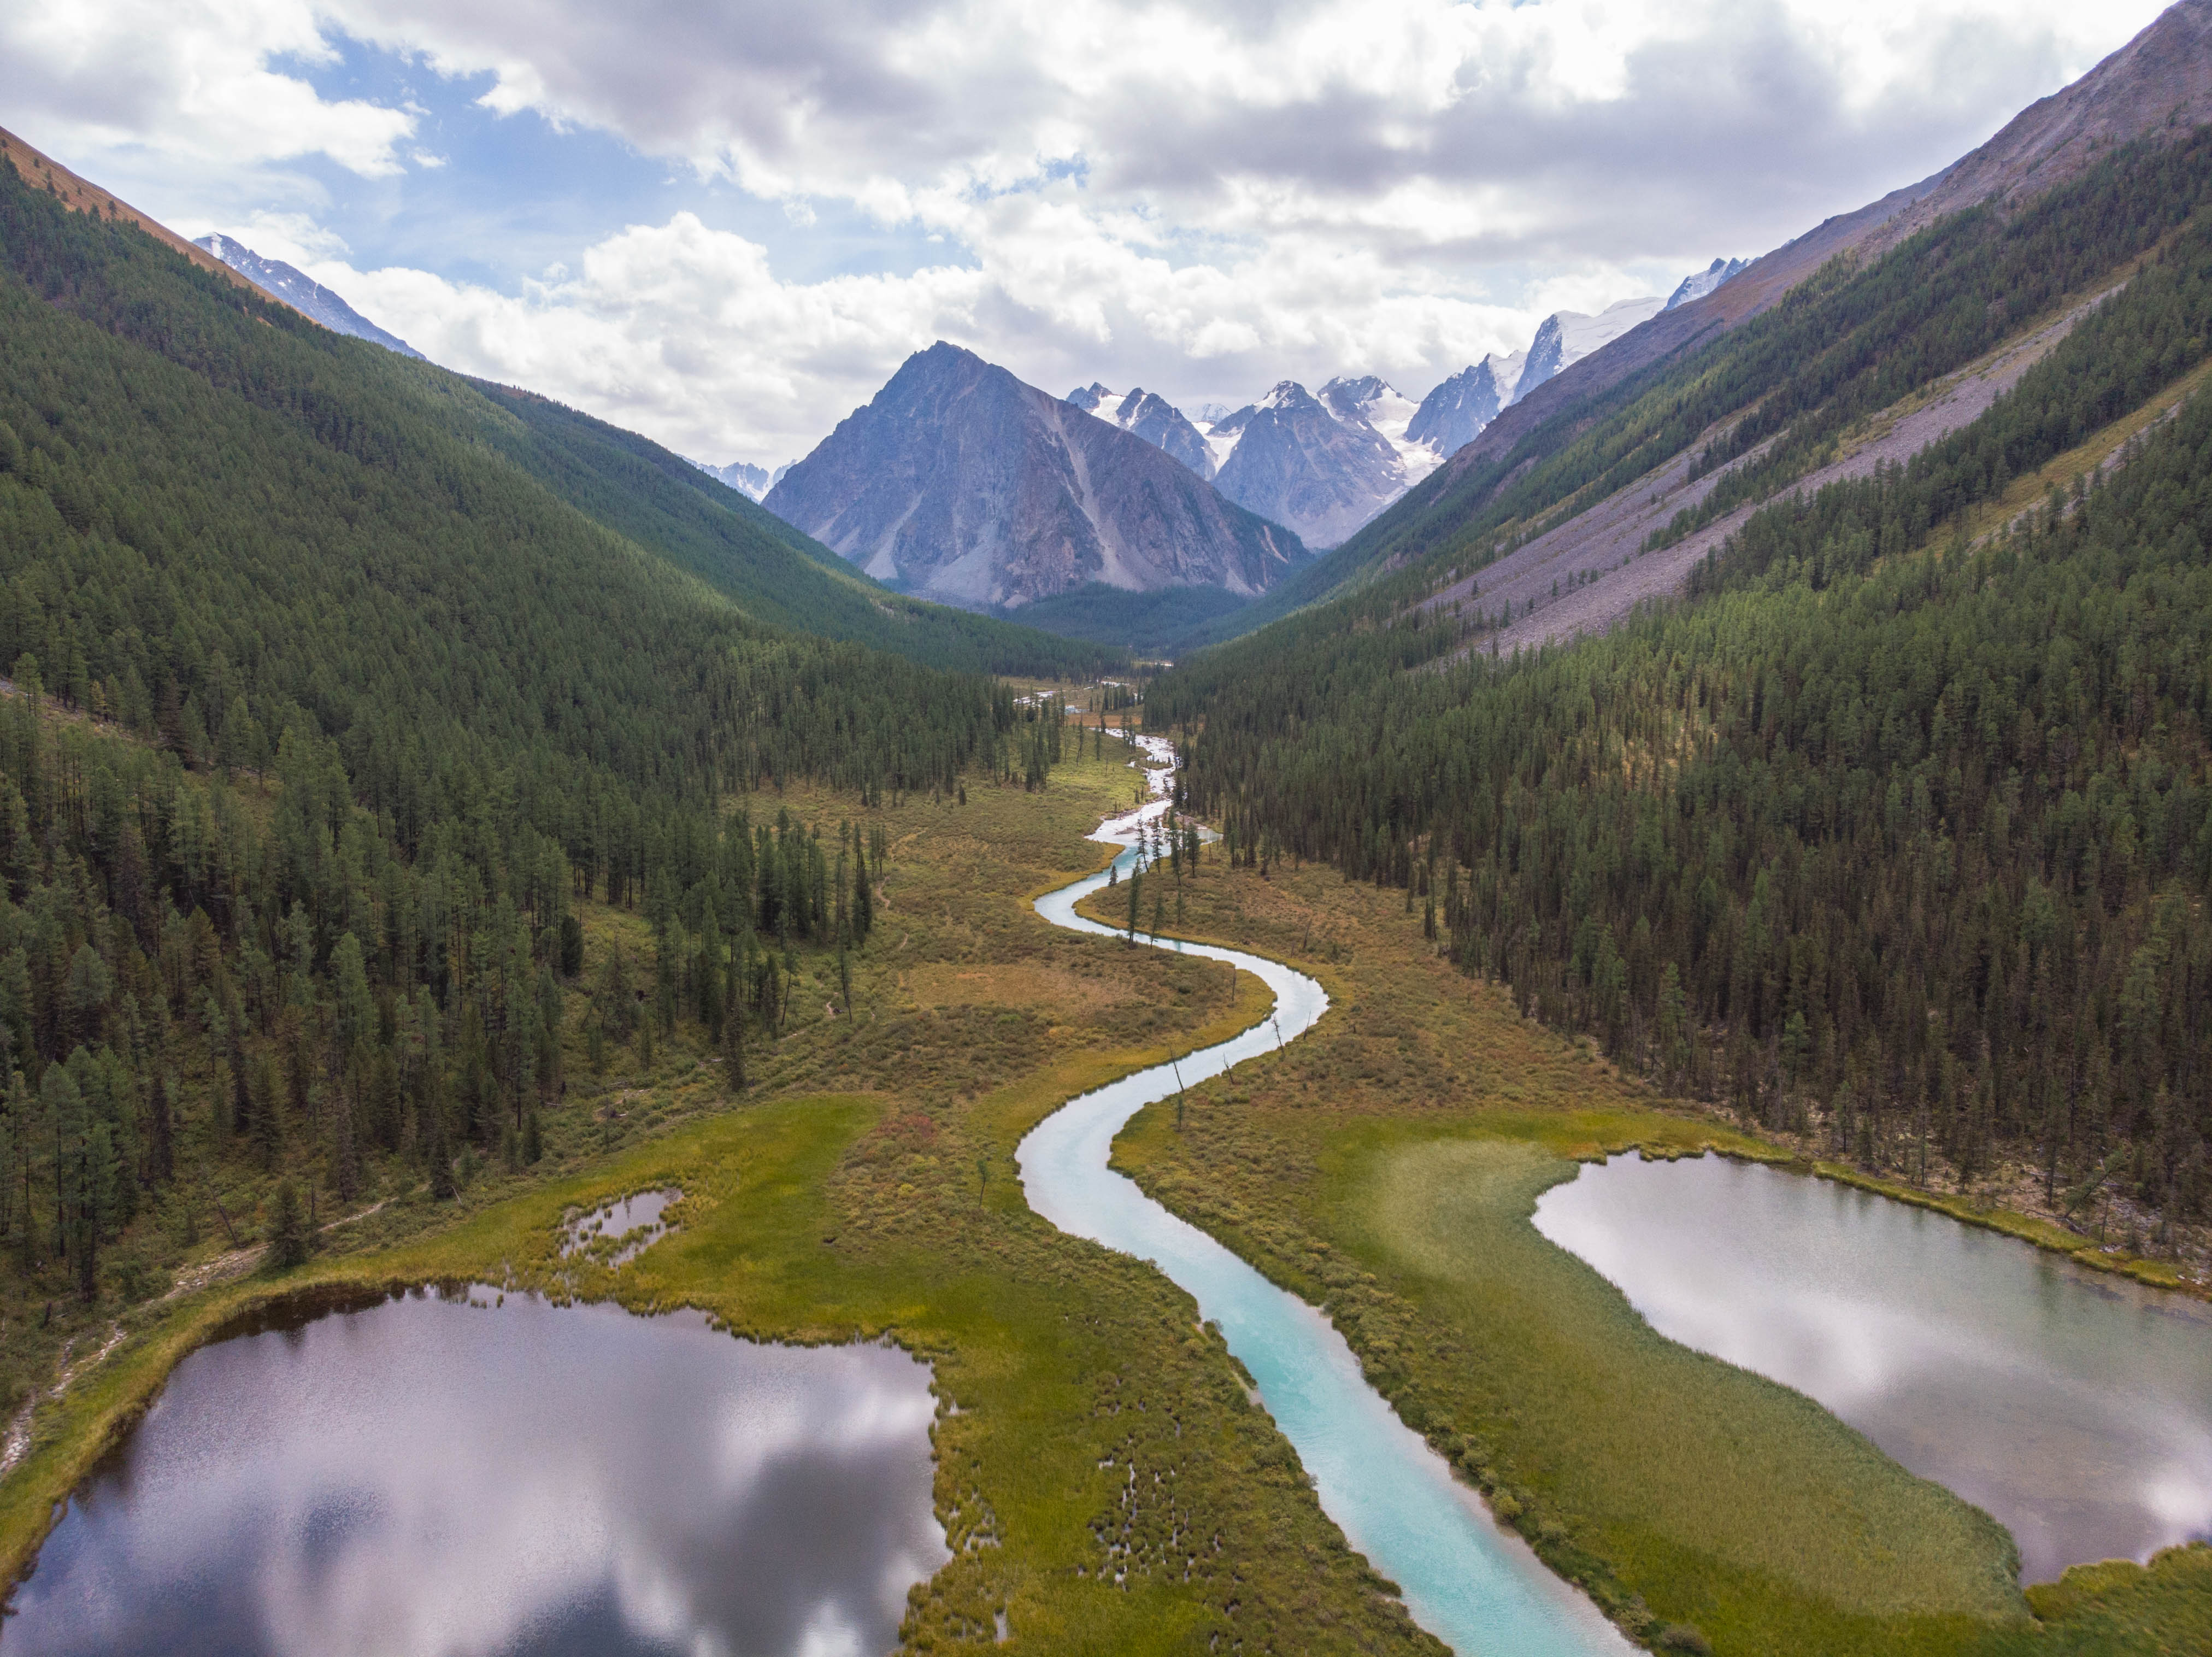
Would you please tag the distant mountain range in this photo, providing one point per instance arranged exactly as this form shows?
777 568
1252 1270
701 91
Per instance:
751 481
959 482
1325 464
301 292
1454 414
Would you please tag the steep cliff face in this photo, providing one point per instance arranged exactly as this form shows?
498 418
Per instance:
961 482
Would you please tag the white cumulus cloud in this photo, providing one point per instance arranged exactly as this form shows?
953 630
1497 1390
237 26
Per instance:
1200 196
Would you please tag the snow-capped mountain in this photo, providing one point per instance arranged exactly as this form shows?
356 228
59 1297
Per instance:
1391 412
1453 414
1567 336
1699 283
1147 415
296 289
1321 466
751 481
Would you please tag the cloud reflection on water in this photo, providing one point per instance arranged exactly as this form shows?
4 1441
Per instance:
428 1478
2076 1408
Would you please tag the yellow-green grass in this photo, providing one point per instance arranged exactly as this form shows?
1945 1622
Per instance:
1387 1166
889 1205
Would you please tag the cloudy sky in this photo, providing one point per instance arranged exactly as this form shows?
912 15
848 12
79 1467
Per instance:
724 224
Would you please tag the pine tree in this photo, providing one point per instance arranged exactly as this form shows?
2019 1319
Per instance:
288 1230
160 1133
345 1148
437 1145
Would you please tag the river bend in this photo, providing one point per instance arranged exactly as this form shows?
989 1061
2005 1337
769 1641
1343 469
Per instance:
1478 1588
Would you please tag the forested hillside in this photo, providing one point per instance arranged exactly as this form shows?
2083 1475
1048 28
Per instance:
327 712
640 490
1898 829
1847 344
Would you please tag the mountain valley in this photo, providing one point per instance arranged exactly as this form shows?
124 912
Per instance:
1569 1017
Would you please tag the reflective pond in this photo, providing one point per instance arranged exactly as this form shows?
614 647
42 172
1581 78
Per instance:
620 1231
447 1476
2073 1406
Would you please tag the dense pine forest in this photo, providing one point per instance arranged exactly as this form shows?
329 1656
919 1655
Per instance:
338 684
1892 834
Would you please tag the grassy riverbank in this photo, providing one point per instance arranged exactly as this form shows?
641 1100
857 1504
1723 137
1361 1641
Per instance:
1387 1166
865 1184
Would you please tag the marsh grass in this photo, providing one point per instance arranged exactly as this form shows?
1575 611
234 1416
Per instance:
1386 1167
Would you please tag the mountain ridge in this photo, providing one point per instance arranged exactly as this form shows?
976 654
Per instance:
960 482
80 195
301 291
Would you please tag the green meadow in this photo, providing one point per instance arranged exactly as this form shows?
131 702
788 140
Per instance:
1387 1166
863 1186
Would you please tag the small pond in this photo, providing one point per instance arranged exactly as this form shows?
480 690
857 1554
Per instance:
2073 1406
620 1231
454 1476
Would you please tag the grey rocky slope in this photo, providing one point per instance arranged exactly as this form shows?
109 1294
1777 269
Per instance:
1148 415
1590 571
960 482
301 292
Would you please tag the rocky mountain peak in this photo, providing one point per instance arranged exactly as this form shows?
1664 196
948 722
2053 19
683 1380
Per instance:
1147 415
959 482
1295 459
1699 283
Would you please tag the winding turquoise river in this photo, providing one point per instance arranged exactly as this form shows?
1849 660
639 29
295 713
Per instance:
1476 1587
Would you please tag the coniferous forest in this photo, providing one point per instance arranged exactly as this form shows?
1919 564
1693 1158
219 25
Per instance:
336 681
1898 832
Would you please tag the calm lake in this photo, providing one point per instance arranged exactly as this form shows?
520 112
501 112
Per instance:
434 1474
2073 1406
